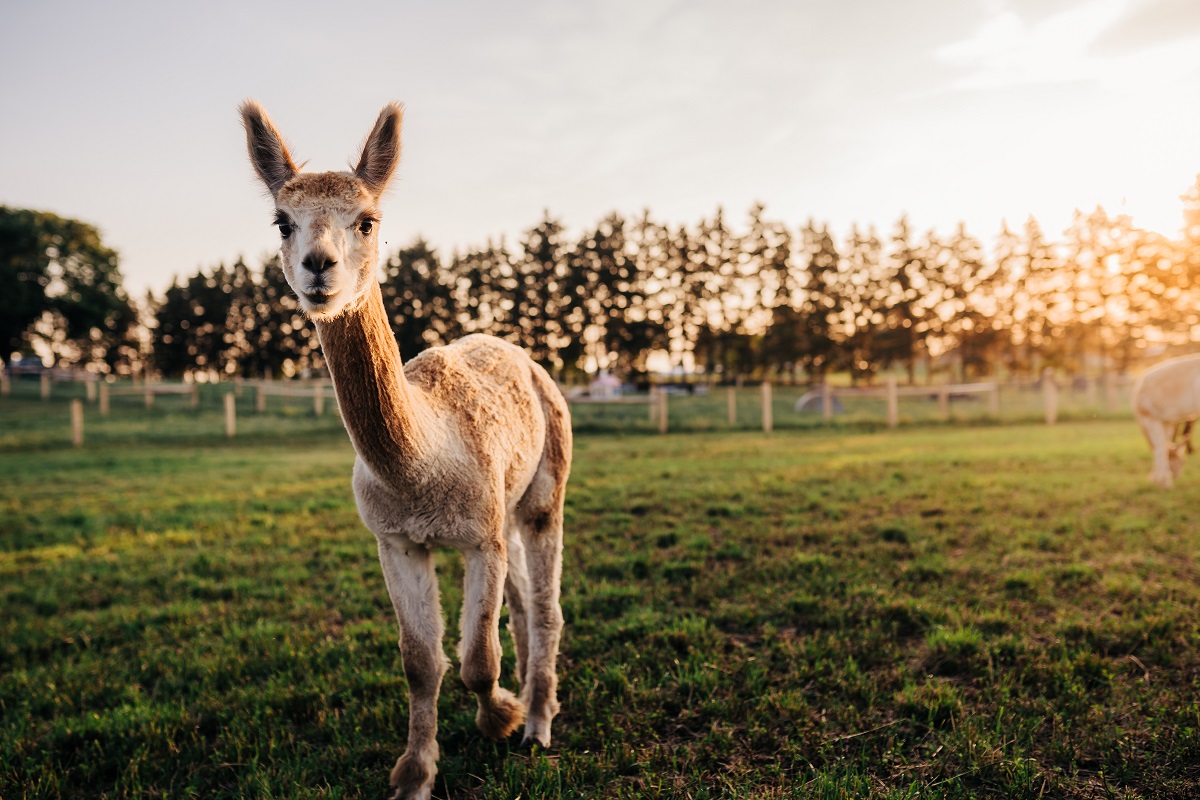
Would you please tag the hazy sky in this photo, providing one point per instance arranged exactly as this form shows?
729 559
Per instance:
124 114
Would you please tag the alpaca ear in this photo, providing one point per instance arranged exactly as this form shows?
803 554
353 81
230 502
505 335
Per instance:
268 153
381 153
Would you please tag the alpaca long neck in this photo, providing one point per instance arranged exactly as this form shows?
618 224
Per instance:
385 416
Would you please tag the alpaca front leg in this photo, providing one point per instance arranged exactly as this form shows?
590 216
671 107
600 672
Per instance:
543 555
412 586
500 712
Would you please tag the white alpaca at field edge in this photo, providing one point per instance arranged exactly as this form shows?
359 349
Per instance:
1166 402
467 446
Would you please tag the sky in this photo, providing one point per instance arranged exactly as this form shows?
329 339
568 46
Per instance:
124 115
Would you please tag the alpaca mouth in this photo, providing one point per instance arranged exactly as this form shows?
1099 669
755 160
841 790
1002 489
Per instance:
318 297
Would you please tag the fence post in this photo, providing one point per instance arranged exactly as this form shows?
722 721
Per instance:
826 401
1093 386
768 420
662 411
944 401
994 399
5 386
260 398
195 397
45 386
230 415
77 423
104 399
149 397
893 403
1050 395
318 400
652 404
731 405
89 389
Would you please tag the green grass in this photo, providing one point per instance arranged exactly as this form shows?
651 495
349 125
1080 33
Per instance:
943 611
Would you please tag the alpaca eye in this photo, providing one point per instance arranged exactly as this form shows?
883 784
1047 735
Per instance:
364 227
284 223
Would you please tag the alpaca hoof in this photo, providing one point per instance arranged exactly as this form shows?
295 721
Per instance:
531 744
412 778
536 735
500 715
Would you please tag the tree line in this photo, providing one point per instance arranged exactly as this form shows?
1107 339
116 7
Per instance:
759 300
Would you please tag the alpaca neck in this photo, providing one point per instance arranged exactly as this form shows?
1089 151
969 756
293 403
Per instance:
387 417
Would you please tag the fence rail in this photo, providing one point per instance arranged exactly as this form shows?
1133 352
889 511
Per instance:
264 389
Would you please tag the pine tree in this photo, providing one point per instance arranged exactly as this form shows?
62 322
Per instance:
419 297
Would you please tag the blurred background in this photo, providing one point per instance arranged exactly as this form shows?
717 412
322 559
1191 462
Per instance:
784 191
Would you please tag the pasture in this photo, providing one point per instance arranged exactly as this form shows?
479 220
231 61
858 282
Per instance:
945 611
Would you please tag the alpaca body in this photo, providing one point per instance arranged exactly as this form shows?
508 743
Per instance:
450 499
467 446
1166 402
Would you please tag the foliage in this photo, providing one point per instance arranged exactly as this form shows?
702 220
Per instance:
232 322
62 291
764 301
419 299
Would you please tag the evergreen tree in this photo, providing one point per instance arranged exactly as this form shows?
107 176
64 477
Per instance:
420 300
1043 300
964 311
866 296
805 326
906 326
170 352
541 298
241 320
767 279
283 341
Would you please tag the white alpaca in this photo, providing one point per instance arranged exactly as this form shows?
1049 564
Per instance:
1166 402
466 446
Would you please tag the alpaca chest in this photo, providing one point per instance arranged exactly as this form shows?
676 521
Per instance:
452 512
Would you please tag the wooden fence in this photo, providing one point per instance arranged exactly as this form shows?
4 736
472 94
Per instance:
826 399
264 389
668 407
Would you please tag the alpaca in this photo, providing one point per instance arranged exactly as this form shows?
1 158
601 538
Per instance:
466 446
1166 402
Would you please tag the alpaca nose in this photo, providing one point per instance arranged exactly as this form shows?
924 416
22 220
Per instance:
318 261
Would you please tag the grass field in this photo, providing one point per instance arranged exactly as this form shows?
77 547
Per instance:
943 611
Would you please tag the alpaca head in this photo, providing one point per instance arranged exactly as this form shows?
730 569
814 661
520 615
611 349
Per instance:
328 221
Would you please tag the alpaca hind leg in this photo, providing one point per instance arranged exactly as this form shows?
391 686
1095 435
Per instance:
412 586
543 534
516 590
1159 435
1179 448
500 712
